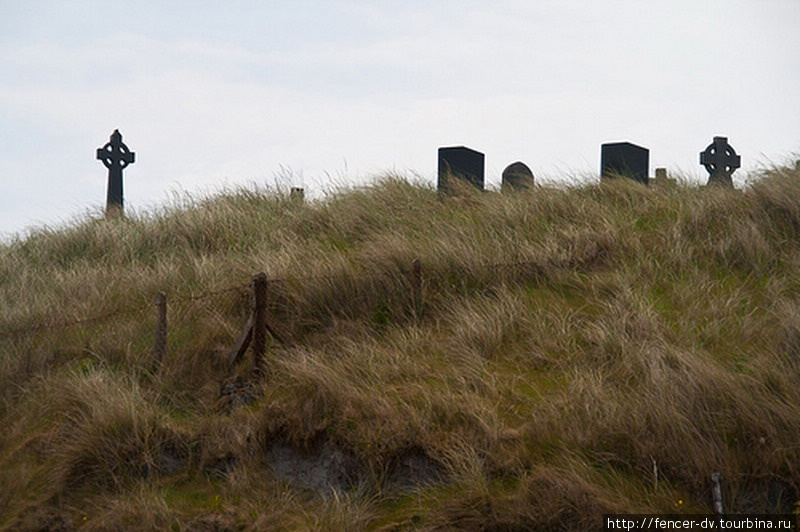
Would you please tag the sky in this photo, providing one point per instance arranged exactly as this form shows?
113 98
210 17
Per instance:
323 94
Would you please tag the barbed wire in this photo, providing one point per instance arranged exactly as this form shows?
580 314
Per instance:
24 331
241 287
205 295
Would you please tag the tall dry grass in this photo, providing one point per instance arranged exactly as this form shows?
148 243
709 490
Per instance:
583 350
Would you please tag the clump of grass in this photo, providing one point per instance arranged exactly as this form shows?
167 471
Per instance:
578 351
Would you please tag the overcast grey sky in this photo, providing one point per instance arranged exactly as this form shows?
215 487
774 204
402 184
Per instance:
211 94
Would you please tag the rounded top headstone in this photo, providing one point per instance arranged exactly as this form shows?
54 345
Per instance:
517 176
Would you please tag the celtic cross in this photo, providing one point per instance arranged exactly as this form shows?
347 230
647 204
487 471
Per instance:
115 156
720 161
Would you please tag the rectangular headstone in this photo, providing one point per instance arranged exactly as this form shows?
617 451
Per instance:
462 163
624 158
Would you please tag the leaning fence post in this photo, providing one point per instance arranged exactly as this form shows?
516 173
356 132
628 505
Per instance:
259 322
161 327
416 284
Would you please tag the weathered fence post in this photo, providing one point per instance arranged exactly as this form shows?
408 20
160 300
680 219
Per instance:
255 331
259 322
161 327
416 284
716 493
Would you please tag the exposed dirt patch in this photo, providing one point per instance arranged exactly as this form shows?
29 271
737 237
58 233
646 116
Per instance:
42 518
214 522
171 461
323 467
221 467
414 468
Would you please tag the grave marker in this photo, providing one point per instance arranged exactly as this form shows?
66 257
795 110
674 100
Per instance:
663 179
721 161
460 162
115 156
297 194
517 176
626 159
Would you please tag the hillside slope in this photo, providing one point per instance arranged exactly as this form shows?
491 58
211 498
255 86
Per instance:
596 349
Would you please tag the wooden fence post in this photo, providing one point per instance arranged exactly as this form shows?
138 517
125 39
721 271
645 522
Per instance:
416 283
255 331
161 327
259 322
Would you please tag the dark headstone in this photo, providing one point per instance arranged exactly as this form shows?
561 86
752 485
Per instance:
625 159
115 156
461 163
720 161
517 176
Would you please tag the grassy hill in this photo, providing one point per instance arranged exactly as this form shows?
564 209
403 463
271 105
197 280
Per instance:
578 351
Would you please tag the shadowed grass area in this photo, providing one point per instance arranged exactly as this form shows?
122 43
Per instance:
578 351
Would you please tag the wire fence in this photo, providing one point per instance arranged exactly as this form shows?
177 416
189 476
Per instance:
106 316
485 266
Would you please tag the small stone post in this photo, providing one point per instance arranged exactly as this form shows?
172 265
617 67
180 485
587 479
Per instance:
297 195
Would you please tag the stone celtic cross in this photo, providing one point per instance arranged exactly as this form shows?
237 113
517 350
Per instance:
721 161
115 156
